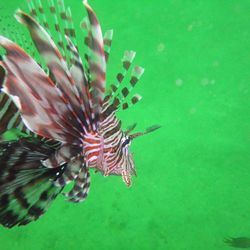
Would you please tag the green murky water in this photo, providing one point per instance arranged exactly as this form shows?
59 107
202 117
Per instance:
193 184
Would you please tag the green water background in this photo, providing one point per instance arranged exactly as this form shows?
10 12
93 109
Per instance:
193 184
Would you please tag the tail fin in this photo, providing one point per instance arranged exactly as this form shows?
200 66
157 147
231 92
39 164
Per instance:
26 187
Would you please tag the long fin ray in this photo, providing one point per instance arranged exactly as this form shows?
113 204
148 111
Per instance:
97 62
40 115
55 63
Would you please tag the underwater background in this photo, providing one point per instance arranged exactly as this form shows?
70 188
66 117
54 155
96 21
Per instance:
192 191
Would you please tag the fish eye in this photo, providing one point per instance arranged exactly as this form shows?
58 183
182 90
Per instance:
125 141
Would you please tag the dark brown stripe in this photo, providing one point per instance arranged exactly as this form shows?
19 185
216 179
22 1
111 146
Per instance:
87 41
82 195
10 112
126 65
27 19
78 65
133 81
11 175
125 92
18 122
9 219
93 44
60 44
61 181
33 12
57 27
4 201
120 77
87 183
18 193
71 49
21 158
107 42
92 18
70 32
46 25
35 211
95 67
113 87
112 131
41 10
44 196
107 112
25 222
116 102
2 75
52 9
125 105
4 100
106 55
134 99
96 47
63 16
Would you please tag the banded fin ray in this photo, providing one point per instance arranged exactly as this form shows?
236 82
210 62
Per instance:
119 96
137 72
56 64
9 115
63 154
78 74
58 29
96 61
44 110
70 173
62 23
127 60
107 41
81 187
135 98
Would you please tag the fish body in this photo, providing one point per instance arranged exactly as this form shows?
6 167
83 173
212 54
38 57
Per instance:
62 106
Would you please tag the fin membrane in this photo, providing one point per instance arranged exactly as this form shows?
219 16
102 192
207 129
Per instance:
26 187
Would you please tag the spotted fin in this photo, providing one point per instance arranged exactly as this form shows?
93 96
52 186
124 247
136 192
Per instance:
26 187
127 60
137 72
120 91
127 104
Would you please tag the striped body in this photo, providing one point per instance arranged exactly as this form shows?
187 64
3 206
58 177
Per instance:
107 149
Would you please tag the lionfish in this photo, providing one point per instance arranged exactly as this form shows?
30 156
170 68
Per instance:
64 120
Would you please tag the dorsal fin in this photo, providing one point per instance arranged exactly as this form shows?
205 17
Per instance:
107 40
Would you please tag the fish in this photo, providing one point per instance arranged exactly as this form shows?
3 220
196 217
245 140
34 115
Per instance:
64 118
238 242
